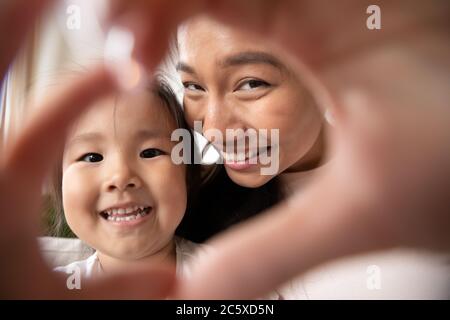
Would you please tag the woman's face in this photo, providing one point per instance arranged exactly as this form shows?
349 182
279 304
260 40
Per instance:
233 82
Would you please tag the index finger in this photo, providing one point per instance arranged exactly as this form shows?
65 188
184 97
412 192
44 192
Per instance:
11 11
32 153
283 243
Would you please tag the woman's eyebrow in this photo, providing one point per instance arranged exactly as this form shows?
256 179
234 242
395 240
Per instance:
241 58
252 57
181 66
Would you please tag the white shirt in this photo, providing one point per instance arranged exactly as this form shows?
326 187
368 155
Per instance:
90 267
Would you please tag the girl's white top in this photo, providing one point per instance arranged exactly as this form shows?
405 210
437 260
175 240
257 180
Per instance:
91 267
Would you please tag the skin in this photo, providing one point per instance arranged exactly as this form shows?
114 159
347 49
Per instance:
368 204
386 183
117 158
232 81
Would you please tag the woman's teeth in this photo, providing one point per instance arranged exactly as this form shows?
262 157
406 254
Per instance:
244 156
126 214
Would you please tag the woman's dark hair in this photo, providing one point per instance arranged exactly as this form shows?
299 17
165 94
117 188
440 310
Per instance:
221 203
55 222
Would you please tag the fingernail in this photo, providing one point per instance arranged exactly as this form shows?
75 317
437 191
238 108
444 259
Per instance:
130 75
329 117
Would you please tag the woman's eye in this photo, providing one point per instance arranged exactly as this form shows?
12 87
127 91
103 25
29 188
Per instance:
91 157
192 86
151 153
253 84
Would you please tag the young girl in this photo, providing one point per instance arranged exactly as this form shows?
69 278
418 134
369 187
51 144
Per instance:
119 189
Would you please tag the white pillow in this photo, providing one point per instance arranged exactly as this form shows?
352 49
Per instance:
391 274
62 251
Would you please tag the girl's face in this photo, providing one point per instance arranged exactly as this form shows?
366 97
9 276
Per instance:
232 81
122 194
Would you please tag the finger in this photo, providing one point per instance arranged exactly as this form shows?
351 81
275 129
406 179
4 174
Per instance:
287 241
157 283
151 36
149 24
153 23
30 156
17 17
320 30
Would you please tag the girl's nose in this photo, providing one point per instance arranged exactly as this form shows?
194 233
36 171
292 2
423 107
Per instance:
121 184
122 177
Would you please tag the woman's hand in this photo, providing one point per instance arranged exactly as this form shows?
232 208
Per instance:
24 163
387 180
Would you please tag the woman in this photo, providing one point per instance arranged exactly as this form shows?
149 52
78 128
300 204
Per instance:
234 83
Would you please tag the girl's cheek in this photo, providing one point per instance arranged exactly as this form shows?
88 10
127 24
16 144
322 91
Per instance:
175 190
78 189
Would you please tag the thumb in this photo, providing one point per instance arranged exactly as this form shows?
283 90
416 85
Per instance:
156 283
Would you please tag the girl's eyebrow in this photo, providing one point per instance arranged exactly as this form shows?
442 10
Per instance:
150 134
97 136
84 137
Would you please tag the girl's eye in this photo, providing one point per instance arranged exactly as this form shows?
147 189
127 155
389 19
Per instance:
91 157
151 153
253 84
192 86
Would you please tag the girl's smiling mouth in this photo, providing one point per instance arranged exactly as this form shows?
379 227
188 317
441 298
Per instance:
126 214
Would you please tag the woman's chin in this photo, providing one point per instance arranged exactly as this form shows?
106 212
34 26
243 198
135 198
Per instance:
252 179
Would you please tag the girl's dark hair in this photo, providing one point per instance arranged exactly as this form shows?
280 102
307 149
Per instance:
54 219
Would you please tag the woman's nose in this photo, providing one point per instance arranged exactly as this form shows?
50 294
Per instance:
219 117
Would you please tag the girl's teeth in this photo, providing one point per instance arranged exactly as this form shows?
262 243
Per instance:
115 214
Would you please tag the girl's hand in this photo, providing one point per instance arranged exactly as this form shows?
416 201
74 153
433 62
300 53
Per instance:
23 166
388 90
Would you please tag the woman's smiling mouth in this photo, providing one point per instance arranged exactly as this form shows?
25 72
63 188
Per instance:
244 160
